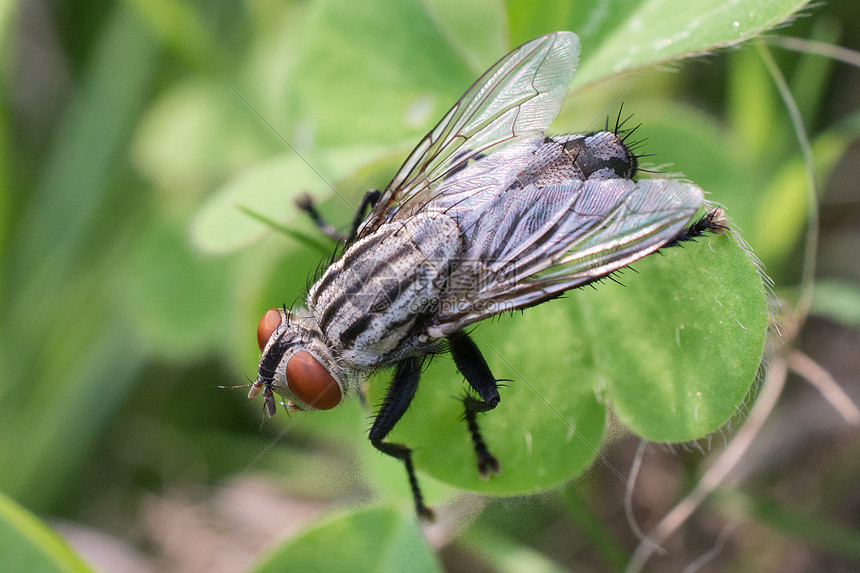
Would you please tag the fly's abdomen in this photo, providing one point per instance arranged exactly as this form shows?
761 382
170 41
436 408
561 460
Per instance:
367 302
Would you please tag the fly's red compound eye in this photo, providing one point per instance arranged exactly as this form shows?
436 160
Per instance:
270 321
311 382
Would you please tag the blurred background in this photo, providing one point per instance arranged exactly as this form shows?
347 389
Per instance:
135 137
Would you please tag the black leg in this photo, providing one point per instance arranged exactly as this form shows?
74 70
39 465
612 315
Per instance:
397 400
473 367
367 203
487 462
306 204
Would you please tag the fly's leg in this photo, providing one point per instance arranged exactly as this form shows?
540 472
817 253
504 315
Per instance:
397 400
307 204
368 202
471 364
487 462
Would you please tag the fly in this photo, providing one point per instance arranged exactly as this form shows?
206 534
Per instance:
487 215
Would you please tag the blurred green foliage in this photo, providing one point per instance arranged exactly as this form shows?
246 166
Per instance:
136 135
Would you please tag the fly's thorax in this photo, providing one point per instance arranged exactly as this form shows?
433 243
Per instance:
296 363
600 155
368 304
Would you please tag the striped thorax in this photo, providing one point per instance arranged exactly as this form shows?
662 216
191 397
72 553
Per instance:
365 312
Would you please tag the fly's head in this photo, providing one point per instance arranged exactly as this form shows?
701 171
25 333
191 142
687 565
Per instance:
296 364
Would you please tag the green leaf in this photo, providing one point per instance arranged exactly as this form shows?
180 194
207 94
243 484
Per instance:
375 71
378 540
621 36
27 544
677 349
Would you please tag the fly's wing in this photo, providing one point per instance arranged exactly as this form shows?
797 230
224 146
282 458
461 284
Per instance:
534 243
521 94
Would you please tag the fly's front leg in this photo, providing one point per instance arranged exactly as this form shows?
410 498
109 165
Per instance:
471 364
307 204
397 400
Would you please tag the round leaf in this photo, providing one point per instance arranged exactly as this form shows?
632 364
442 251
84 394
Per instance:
677 350
377 539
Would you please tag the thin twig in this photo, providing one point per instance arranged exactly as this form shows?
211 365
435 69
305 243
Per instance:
810 249
806 46
717 473
821 380
628 496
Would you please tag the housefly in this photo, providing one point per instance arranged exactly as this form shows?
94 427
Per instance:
487 215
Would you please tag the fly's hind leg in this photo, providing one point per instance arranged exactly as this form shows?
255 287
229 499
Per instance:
306 203
473 367
397 400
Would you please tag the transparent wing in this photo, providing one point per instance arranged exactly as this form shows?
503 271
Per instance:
535 243
521 94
